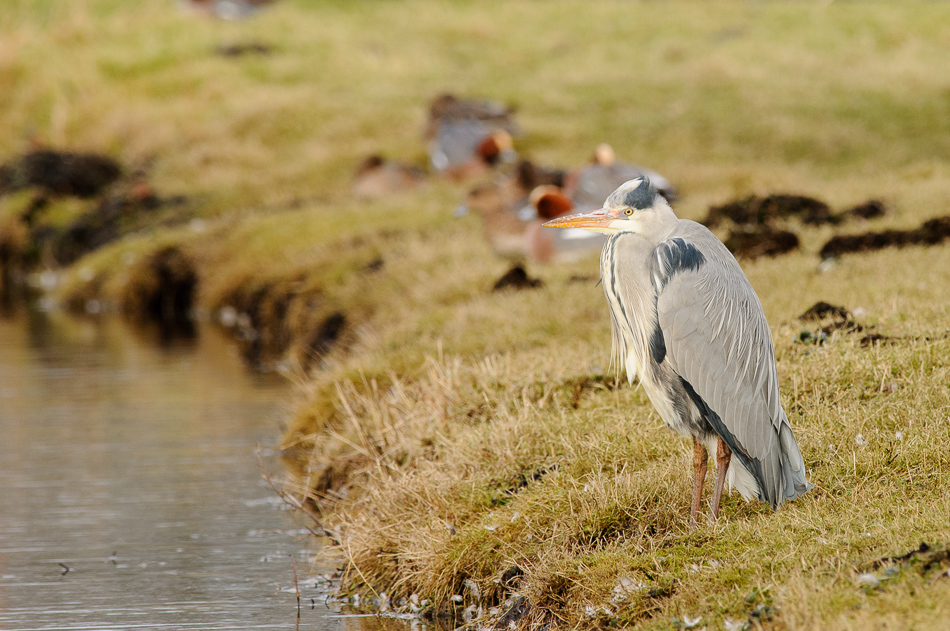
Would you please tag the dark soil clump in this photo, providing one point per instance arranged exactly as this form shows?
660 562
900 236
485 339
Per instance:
519 610
162 290
871 209
755 242
848 326
753 219
277 321
375 265
759 211
327 333
517 278
865 242
262 329
874 339
113 217
931 232
116 214
583 278
926 560
117 207
520 483
247 48
840 321
60 173
823 309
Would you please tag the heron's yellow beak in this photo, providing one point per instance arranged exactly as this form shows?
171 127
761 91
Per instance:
599 218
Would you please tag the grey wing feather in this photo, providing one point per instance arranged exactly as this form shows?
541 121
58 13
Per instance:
718 341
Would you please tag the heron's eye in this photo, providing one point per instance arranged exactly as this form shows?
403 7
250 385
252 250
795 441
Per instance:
628 212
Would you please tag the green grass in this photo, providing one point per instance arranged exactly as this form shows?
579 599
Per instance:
453 433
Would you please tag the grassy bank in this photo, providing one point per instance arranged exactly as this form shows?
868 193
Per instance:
459 441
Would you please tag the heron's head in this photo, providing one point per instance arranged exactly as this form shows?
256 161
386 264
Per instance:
635 206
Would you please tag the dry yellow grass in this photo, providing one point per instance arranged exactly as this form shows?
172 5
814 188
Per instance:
455 434
441 484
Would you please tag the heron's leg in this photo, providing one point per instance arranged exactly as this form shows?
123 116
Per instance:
700 455
723 456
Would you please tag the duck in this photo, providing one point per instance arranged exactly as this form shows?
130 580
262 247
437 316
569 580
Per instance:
552 245
377 177
503 205
466 149
469 138
516 238
494 114
590 184
501 228
225 9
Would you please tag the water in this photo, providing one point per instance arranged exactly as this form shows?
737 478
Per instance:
130 492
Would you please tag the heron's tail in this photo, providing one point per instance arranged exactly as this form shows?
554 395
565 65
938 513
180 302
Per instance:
793 467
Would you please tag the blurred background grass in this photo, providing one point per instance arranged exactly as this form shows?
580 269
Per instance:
721 98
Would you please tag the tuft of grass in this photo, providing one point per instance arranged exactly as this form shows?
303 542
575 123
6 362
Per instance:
469 471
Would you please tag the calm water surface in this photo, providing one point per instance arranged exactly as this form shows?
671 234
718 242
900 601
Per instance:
134 466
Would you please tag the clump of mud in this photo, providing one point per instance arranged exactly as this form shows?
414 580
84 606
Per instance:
82 175
927 556
117 213
759 211
874 339
517 278
931 232
929 562
754 221
13 240
871 209
244 49
836 319
282 320
326 334
761 241
822 309
36 232
161 290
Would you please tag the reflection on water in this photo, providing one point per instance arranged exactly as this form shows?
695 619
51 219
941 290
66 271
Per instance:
130 493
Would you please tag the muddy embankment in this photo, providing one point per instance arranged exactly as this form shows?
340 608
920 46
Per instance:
57 206
283 322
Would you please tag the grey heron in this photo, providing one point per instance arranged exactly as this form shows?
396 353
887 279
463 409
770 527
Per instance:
686 321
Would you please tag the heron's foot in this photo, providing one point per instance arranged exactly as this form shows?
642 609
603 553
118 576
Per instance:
723 457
